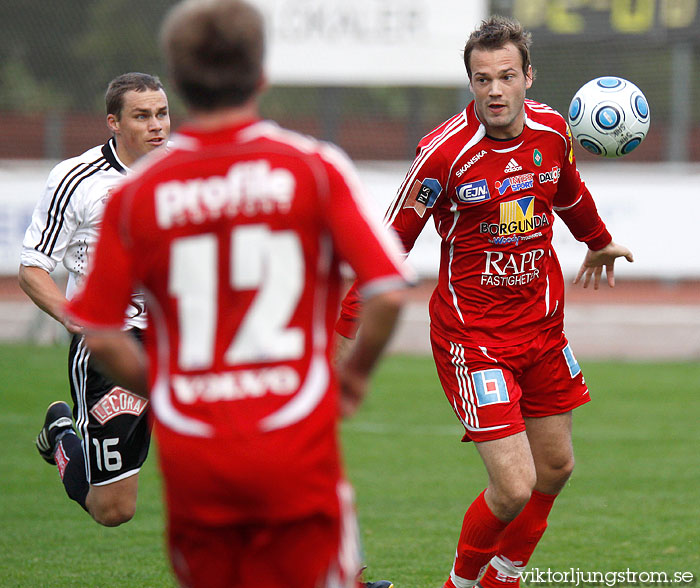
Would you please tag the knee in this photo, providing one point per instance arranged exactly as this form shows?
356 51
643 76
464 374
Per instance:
113 504
113 514
507 501
556 474
565 469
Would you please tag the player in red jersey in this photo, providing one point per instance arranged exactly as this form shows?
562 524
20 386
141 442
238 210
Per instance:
236 236
491 178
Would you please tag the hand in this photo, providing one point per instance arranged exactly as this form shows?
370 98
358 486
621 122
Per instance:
594 262
71 327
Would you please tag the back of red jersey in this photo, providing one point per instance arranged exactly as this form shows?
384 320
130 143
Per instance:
236 237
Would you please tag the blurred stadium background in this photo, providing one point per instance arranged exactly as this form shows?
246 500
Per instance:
374 76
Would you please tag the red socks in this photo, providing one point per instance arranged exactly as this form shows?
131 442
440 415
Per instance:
518 542
524 532
479 539
484 536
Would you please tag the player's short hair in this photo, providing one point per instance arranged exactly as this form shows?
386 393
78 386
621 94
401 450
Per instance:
494 33
136 81
214 51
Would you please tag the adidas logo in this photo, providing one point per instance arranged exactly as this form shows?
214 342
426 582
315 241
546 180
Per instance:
512 166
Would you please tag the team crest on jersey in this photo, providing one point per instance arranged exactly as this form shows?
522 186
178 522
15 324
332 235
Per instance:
537 157
118 401
107 195
473 192
515 183
423 195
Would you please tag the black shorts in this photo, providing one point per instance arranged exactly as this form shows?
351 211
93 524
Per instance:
112 421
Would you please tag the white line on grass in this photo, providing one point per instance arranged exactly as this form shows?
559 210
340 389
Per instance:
392 429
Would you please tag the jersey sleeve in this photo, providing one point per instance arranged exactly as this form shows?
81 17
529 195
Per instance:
359 237
54 221
417 196
407 215
107 290
350 308
575 205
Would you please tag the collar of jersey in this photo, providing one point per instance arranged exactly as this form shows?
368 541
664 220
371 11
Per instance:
217 135
109 150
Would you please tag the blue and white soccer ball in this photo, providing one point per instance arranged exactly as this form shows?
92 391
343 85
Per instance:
609 116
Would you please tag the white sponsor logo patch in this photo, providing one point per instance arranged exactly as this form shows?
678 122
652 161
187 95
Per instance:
118 401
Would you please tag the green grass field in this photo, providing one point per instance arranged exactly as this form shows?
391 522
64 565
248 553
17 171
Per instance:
632 503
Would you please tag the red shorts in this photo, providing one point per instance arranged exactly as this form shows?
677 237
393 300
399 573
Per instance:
319 551
492 389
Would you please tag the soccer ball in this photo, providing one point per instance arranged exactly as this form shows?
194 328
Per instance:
609 116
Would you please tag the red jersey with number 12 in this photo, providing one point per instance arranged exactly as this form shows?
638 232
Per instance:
236 236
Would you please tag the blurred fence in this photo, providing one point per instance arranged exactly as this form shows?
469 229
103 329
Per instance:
56 59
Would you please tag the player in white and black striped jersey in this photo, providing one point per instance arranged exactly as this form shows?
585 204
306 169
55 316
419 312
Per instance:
101 471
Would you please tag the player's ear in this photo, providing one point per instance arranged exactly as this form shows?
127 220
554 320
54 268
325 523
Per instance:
528 77
112 123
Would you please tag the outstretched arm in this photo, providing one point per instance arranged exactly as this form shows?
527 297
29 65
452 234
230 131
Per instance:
595 261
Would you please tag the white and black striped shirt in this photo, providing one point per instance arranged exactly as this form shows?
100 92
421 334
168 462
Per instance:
66 220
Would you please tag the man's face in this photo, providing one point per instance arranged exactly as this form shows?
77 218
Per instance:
142 126
499 84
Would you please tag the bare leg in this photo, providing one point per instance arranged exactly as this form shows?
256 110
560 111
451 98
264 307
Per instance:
552 451
512 474
113 504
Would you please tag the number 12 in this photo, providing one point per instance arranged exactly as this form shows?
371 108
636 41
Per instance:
270 262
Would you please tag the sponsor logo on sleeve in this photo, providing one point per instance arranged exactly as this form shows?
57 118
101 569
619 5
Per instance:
116 402
423 195
473 192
